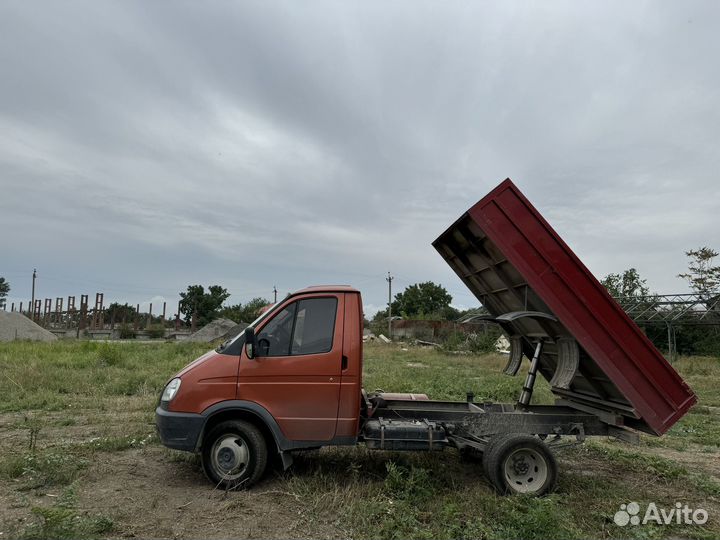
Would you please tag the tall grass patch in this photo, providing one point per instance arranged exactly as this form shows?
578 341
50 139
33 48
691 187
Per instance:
53 376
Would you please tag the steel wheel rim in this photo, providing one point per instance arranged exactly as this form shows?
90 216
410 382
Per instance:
229 456
526 470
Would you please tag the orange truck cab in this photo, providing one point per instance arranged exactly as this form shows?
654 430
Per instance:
299 388
293 379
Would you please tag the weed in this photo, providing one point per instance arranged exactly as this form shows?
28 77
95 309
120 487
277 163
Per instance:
34 430
532 518
110 355
413 484
62 521
43 469
114 444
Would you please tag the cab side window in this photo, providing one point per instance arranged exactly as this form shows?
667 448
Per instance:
314 326
303 327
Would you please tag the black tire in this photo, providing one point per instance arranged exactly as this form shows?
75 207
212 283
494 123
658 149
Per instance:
489 449
234 454
517 464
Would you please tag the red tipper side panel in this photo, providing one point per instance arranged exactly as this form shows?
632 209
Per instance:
617 359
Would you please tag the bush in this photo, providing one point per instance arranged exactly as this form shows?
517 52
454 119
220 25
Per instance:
156 331
708 344
480 343
454 341
127 332
483 342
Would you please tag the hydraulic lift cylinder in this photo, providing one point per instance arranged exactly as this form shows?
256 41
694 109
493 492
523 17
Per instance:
527 390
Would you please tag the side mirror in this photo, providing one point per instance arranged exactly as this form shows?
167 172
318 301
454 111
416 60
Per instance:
250 342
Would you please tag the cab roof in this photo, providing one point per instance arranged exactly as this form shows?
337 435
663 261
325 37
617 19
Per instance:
326 288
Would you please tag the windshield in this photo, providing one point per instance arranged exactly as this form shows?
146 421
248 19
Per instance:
234 344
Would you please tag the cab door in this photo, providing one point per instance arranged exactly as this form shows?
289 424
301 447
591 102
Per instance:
295 373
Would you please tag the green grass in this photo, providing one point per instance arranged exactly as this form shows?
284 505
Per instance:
40 469
75 374
69 403
63 521
375 494
404 495
445 376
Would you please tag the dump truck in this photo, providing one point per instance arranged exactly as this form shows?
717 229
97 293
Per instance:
293 380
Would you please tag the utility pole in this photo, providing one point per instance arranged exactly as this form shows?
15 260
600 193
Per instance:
389 279
32 304
275 292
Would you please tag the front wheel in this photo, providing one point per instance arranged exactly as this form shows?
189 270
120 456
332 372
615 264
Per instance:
517 464
234 454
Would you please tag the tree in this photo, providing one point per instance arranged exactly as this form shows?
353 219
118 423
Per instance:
4 290
244 313
702 276
117 312
422 300
205 304
629 283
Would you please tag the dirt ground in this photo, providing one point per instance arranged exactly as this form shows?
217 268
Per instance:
152 492
149 491
149 495
152 496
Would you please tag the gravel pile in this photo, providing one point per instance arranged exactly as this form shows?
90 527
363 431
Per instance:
212 331
235 330
14 326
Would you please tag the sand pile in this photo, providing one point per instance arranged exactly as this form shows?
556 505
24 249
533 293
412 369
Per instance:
235 330
213 331
14 326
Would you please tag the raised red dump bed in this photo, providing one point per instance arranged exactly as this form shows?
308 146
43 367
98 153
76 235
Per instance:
595 357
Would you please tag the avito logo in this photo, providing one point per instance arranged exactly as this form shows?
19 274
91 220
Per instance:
680 514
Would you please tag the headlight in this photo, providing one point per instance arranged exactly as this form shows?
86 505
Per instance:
170 390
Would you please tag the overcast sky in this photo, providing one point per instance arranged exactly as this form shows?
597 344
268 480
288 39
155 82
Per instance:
146 146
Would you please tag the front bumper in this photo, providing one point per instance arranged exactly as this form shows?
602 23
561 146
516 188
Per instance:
180 431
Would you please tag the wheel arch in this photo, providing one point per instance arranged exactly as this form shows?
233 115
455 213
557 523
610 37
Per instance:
260 417
240 413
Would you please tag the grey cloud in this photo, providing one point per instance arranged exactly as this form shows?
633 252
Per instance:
262 143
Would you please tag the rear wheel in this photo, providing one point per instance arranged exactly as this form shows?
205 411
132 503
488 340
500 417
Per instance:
517 464
234 454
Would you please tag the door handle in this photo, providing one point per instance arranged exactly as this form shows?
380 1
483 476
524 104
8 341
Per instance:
344 363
